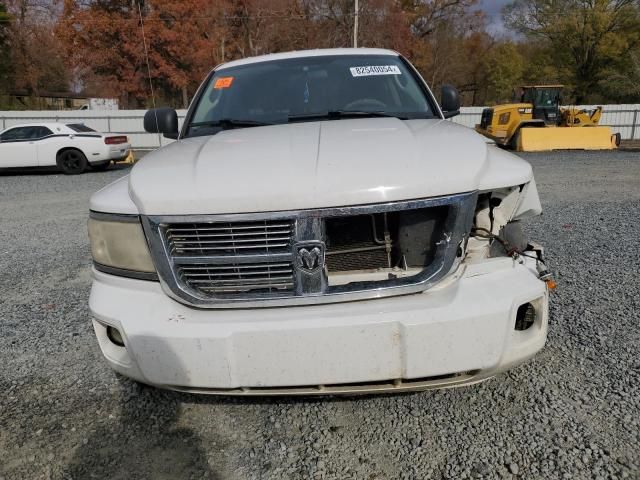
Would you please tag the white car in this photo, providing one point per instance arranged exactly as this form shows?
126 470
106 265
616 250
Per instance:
318 227
71 147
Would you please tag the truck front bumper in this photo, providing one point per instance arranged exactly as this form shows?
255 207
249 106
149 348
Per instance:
457 333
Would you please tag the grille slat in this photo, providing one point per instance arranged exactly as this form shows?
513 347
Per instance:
233 258
247 288
179 240
229 238
231 226
233 267
224 235
237 279
240 258
272 281
231 283
231 274
230 246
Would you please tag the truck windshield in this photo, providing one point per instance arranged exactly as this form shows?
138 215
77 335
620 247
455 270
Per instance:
308 89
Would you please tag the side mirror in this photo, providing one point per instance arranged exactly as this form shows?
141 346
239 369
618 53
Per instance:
162 120
449 101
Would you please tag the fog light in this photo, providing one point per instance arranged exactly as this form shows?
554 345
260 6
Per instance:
114 335
525 316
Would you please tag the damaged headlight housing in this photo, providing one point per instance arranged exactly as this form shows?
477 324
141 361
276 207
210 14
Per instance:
119 246
498 216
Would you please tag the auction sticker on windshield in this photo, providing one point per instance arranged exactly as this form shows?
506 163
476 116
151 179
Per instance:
223 82
375 70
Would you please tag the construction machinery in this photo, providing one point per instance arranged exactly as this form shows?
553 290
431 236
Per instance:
539 123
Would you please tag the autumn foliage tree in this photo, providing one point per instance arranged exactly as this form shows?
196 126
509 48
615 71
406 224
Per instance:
124 48
504 68
105 44
587 40
32 49
5 56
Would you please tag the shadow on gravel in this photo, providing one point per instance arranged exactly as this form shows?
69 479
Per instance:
204 399
22 172
146 442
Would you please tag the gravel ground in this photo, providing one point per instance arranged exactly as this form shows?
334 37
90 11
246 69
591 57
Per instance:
572 412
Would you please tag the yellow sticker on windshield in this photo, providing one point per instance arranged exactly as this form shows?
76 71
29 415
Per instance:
223 82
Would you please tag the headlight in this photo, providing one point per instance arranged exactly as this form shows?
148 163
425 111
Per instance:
118 245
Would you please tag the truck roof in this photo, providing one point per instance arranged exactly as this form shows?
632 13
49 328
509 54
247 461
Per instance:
309 53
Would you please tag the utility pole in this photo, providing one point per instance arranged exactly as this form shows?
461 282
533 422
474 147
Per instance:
355 26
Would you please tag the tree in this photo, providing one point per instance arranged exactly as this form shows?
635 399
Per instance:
427 15
36 64
97 39
448 42
504 69
593 46
588 37
183 46
178 45
5 52
181 49
623 84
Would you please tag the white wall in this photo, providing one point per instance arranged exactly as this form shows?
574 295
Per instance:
620 117
110 121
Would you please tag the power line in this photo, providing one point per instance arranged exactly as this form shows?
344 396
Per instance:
146 57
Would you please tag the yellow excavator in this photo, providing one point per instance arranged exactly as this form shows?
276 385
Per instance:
539 123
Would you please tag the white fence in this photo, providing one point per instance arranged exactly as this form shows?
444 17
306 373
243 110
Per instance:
108 121
624 119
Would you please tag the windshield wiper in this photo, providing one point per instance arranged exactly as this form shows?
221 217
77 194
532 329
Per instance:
337 114
229 123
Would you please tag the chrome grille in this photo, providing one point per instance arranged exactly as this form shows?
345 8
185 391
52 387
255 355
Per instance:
238 278
283 258
227 238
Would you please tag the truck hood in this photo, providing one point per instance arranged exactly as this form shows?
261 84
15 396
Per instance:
312 165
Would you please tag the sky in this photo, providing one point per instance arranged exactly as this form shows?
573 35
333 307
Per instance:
492 9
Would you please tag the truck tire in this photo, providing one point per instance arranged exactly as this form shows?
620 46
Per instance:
72 161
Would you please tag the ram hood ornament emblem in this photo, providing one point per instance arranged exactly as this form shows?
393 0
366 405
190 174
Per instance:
309 256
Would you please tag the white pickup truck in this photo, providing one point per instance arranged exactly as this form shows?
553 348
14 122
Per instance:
318 227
